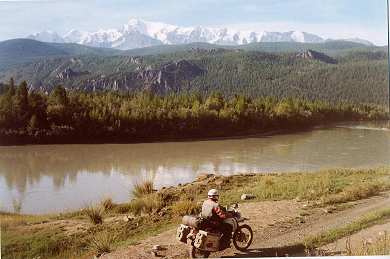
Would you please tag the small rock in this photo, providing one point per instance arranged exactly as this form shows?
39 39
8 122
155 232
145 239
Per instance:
369 241
127 218
157 248
329 209
99 255
246 196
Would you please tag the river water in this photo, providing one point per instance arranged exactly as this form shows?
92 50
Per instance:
57 178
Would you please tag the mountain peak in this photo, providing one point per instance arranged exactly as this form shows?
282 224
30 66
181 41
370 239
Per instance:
135 21
138 33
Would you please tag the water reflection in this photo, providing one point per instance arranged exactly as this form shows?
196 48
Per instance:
51 178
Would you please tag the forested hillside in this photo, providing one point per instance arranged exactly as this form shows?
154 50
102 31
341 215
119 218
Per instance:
74 94
355 76
18 51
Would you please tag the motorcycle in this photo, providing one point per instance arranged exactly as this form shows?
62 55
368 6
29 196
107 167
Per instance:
204 240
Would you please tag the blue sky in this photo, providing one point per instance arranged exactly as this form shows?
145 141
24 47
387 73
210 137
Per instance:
328 18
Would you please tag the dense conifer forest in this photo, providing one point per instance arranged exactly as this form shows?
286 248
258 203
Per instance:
80 117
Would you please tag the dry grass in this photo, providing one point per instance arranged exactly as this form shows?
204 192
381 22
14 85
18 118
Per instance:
102 243
337 233
136 206
143 188
380 247
146 204
122 208
185 207
95 214
329 186
107 204
11 220
354 193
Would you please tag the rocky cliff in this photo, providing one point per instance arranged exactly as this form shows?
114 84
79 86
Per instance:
169 77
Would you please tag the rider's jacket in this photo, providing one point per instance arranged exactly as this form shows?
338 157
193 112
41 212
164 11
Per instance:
212 211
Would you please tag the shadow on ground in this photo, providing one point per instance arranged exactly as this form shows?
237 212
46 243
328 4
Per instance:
293 250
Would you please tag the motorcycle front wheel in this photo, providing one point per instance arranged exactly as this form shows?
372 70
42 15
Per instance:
196 253
243 238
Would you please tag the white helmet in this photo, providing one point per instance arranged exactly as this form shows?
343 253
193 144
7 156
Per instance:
212 193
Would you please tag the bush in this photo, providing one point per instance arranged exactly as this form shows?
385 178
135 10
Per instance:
95 214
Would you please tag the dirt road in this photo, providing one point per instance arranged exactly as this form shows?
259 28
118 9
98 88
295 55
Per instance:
279 229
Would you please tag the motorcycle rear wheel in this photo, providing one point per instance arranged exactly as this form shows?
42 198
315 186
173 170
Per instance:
243 238
196 253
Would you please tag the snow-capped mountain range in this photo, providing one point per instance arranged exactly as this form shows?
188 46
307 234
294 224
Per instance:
138 33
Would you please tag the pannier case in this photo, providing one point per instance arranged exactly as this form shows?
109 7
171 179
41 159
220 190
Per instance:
207 241
182 233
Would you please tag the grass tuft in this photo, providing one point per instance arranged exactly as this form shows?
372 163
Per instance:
146 204
102 243
143 188
107 204
95 214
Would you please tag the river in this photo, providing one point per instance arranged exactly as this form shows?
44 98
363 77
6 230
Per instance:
57 178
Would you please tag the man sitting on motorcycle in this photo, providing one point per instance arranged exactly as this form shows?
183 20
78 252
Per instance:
215 216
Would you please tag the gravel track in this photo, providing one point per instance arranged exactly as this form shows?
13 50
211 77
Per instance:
279 229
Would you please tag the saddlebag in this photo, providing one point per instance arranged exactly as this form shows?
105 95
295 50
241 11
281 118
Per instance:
207 241
192 221
182 233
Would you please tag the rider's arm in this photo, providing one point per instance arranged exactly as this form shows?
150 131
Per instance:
221 214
